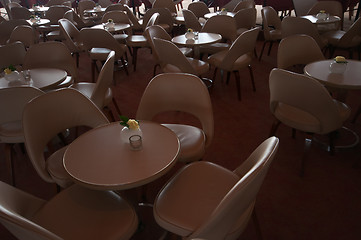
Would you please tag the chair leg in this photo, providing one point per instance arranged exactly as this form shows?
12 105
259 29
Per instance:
9 162
77 59
257 225
93 70
252 78
274 127
308 143
269 48
228 77
116 107
124 65
260 55
135 53
238 83
331 142
358 112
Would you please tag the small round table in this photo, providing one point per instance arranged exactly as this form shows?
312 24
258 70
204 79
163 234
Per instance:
209 15
118 27
99 159
328 20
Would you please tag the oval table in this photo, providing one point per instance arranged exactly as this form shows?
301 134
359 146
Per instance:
42 78
99 159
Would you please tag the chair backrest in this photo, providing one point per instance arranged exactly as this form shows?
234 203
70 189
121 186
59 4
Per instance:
165 17
178 92
246 18
153 32
169 4
71 34
241 197
105 3
7 27
271 21
58 2
100 38
304 93
20 13
222 24
18 97
55 13
133 18
331 7
104 81
12 54
51 113
353 32
299 25
178 61
16 209
84 5
115 7
38 56
74 18
191 21
244 44
298 49
243 5
303 6
117 16
24 34
199 8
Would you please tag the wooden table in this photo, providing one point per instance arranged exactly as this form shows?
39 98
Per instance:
99 159
42 78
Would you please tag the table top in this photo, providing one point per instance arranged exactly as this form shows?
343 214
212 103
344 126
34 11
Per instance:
41 21
100 159
350 79
328 20
212 14
203 39
41 78
95 10
117 27
39 9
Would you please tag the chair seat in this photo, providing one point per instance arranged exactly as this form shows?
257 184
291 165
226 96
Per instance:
11 132
137 41
100 54
217 59
275 35
121 37
197 189
54 36
55 167
192 141
214 48
298 119
88 88
81 213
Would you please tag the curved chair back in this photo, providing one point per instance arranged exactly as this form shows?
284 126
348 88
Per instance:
55 13
199 8
117 16
240 199
270 18
165 18
24 34
75 19
38 56
246 18
12 53
71 34
298 49
222 24
243 5
7 27
51 113
153 32
115 7
298 25
244 44
104 81
303 6
352 36
84 5
133 18
177 92
178 61
191 21
169 4
307 94
20 13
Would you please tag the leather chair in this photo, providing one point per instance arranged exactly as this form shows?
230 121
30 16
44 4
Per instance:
238 56
7 27
169 4
244 5
118 17
75 213
207 201
245 19
191 21
12 54
199 8
20 13
182 93
48 115
24 34
77 21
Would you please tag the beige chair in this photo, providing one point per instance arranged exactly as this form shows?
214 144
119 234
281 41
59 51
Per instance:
24 34
169 4
165 20
304 104
184 93
75 213
244 5
20 13
225 26
207 201
118 17
303 6
48 115
157 31
7 27
71 35
238 56
85 5
272 28
139 41
12 103
99 43
331 7
137 26
199 8
191 21
298 50
245 19
77 21
52 55
298 25
100 92
347 40
52 32
178 63
12 54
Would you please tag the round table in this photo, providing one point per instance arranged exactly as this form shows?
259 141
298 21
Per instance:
315 20
95 10
99 159
40 22
118 27
209 15
42 78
